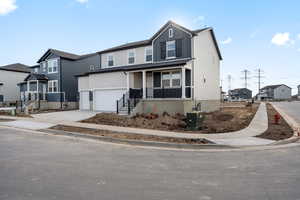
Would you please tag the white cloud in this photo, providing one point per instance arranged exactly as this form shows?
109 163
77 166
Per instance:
282 39
82 1
199 19
299 36
227 41
7 6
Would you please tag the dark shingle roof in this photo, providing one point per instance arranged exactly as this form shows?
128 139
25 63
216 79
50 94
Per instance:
149 41
139 66
40 77
273 86
17 67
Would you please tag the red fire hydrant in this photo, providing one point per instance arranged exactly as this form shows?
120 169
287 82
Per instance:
276 118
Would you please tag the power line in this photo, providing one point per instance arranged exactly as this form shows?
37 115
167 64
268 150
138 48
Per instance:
259 76
246 77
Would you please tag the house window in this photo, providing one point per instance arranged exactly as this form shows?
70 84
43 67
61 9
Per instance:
131 57
171 33
148 54
92 67
171 49
110 60
44 66
171 79
36 70
52 86
52 66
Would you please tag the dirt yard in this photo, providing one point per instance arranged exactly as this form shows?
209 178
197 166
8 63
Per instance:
5 113
130 136
226 120
276 131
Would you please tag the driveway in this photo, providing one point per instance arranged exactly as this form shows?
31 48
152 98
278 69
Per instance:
34 167
71 116
290 108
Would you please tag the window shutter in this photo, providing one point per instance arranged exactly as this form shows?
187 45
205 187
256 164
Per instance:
163 50
179 48
156 79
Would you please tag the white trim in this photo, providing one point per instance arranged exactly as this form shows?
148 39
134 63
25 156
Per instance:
52 59
131 51
115 88
52 82
145 54
107 60
171 32
169 43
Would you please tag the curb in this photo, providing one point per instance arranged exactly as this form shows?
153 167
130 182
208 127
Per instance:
138 142
291 122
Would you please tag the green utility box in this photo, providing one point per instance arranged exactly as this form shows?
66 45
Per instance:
194 121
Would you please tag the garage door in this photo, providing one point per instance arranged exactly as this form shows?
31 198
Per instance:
105 100
85 100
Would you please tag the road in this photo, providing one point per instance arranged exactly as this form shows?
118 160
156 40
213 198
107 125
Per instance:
34 166
291 108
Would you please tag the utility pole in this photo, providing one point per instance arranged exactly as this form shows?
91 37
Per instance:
259 77
246 77
229 78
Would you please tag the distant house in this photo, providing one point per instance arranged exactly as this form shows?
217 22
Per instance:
10 76
240 94
275 92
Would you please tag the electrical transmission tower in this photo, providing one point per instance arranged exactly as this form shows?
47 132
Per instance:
259 76
246 77
229 78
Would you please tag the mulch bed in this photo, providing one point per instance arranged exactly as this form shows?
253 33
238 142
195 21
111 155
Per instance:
227 119
276 131
130 136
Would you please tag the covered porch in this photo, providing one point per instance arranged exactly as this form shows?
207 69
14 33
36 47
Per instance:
160 83
34 88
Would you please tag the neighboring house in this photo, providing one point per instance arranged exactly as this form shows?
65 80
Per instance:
53 80
239 94
275 92
10 76
176 70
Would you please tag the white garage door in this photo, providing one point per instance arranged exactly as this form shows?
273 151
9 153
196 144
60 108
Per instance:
84 100
105 100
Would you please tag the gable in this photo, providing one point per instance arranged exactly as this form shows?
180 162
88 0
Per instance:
48 55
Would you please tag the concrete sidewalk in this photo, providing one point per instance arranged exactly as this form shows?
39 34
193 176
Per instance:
258 125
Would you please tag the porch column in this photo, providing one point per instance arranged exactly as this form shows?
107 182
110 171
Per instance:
144 84
37 89
28 85
128 80
183 82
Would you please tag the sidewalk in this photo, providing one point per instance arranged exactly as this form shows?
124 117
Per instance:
258 125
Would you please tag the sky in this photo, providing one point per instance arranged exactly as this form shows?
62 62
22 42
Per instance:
252 34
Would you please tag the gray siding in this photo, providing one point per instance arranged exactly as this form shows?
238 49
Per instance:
164 37
72 68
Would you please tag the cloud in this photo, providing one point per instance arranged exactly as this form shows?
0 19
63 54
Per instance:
199 19
227 41
298 36
82 1
281 39
7 6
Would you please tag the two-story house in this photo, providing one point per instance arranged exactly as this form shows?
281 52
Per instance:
53 80
176 70
239 94
10 76
275 92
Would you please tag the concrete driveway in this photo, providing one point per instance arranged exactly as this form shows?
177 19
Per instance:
73 116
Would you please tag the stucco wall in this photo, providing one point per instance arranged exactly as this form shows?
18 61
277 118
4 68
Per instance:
10 90
121 57
206 68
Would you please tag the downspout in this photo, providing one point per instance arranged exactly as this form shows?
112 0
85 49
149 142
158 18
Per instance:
60 81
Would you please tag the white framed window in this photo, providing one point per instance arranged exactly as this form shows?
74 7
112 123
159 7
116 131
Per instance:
52 66
110 60
52 86
148 54
36 70
171 49
131 57
171 33
171 79
92 68
44 66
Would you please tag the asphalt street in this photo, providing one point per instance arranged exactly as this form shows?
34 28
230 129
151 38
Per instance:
291 108
34 166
